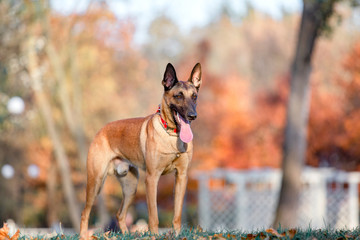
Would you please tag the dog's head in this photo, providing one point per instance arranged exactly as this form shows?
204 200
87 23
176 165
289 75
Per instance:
181 96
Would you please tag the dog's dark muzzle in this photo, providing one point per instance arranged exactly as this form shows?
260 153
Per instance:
192 116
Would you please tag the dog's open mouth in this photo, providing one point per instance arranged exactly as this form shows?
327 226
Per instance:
186 134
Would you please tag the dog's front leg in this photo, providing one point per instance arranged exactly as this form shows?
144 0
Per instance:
151 182
180 188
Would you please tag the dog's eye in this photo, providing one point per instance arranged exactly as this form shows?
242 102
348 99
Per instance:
194 97
179 96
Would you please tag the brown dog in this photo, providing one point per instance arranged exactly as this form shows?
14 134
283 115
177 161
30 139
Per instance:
159 144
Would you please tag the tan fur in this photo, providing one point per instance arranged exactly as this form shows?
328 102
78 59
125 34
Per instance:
122 147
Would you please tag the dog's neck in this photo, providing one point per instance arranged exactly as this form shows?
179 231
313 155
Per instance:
167 115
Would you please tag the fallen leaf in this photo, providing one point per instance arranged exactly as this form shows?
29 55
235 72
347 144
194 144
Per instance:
4 233
218 236
262 236
275 233
250 237
16 235
230 236
199 229
291 233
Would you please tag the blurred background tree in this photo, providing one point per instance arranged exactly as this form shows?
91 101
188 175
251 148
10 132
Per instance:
314 22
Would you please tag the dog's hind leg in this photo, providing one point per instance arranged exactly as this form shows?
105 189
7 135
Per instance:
129 184
95 180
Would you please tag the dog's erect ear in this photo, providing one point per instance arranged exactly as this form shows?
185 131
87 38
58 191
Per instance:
170 78
195 77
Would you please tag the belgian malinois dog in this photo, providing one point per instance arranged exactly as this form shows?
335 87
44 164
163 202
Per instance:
158 144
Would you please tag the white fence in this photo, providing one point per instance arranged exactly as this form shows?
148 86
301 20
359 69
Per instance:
247 200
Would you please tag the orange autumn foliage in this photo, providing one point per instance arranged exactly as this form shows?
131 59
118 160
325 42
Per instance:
334 128
244 131
349 140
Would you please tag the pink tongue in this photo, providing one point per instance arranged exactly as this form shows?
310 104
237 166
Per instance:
186 134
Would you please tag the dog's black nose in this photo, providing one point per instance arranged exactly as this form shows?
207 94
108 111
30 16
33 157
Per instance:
192 116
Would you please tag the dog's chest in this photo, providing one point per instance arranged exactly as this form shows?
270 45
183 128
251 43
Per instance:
173 153
173 161
165 142
166 151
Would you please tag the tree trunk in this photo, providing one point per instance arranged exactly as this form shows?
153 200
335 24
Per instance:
73 116
73 112
36 72
79 132
62 160
314 16
72 120
52 204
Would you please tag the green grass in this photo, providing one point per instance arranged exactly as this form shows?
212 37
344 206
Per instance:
189 234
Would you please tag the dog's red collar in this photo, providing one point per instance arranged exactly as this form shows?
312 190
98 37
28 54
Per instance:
164 123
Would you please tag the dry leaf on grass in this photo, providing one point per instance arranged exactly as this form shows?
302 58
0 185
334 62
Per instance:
250 237
231 236
262 236
275 233
290 233
199 229
218 236
4 233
